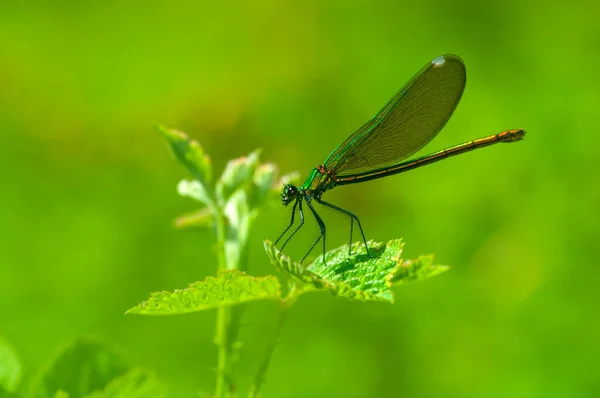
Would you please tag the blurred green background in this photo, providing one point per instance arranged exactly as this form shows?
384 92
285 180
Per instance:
88 187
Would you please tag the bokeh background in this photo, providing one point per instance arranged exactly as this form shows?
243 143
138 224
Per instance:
88 187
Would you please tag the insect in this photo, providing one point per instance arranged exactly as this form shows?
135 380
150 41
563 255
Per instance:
408 122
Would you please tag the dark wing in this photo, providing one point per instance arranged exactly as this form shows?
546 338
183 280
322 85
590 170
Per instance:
406 123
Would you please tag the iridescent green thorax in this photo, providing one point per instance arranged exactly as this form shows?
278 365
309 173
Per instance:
310 180
318 181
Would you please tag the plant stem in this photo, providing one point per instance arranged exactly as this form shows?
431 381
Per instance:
228 318
223 382
221 236
264 364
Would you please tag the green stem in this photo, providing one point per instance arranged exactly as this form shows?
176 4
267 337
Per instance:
266 360
221 236
228 318
223 382
223 385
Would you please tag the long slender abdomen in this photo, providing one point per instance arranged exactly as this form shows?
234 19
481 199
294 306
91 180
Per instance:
505 136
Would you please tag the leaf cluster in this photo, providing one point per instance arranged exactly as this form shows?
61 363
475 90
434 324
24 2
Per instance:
85 368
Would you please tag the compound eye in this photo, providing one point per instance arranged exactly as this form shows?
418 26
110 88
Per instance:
291 190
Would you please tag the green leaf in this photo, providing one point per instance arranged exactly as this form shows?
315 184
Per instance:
237 174
359 276
190 154
356 276
79 369
240 218
293 269
227 288
195 190
262 183
198 219
417 270
10 369
137 383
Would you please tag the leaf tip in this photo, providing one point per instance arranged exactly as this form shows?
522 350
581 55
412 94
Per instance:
172 134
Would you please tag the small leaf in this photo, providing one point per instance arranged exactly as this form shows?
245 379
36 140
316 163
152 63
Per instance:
198 219
195 190
240 217
227 288
137 383
262 183
291 268
357 276
10 368
417 270
189 153
237 174
81 368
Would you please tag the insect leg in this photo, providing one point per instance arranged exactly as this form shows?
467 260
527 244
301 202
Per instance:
323 229
352 217
299 202
289 226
